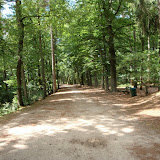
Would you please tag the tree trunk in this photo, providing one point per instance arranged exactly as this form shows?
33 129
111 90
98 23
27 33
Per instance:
24 83
5 78
53 61
107 83
159 25
58 80
39 75
104 60
20 26
112 59
82 79
135 45
135 52
42 67
102 81
95 80
87 76
90 79
141 77
149 47
159 36
19 91
5 72
146 90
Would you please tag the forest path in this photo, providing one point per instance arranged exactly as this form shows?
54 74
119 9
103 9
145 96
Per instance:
80 124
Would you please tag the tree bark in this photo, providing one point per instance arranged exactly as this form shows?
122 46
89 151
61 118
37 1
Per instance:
53 61
20 26
135 41
95 79
102 81
24 83
42 67
149 47
87 76
112 59
106 66
141 77
57 77
19 91
90 79
82 79
159 25
39 75
159 36
106 83
5 71
5 78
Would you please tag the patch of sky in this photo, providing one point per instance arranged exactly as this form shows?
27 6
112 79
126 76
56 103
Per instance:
72 2
7 10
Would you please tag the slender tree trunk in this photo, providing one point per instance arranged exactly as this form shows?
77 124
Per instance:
149 47
102 81
159 37
135 41
153 45
87 76
107 83
95 79
134 63
39 75
106 66
20 26
159 28
90 79
19 92
24 82
78 77
82 79
4 71
42 67
5 78
53 61
141 77
112 59
57 77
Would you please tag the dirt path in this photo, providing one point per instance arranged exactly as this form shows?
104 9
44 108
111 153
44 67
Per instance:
80 124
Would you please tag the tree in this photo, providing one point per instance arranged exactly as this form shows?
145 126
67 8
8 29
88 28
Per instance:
53 61
20 27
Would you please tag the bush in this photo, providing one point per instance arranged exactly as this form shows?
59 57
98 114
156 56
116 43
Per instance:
7 107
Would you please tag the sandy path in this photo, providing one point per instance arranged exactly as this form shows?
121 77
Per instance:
77 124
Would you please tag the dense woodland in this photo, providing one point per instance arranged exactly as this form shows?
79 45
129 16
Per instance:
104 43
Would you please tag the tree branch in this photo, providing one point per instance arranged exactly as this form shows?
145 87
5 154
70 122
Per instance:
34 16
120 3
123 27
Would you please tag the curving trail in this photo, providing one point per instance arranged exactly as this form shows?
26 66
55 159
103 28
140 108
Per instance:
81 124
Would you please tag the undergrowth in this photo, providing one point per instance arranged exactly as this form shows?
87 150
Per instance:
13 106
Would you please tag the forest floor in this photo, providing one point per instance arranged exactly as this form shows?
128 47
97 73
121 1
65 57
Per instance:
84 124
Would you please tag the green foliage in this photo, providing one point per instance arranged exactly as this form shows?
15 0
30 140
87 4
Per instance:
7 107
81 45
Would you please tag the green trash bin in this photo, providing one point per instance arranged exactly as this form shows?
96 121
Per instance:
133 92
